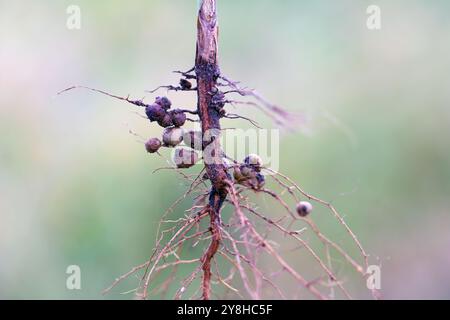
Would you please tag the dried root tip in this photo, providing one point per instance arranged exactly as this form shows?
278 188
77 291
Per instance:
185 158
138 103
153 145
187 74
304 208
172 137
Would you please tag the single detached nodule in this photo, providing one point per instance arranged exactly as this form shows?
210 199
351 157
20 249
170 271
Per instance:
153 145
304 208
230 249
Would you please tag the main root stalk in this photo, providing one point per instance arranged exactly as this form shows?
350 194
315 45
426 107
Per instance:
208 71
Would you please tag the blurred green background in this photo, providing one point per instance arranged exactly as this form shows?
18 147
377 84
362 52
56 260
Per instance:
76 187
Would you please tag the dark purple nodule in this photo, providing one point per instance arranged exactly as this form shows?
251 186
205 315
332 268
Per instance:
185 84
166 122
155 112
164 102
153 145
178 118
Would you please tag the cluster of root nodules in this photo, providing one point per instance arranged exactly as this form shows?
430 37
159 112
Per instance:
274 250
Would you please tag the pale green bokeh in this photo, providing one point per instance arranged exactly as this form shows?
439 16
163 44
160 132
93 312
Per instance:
76 187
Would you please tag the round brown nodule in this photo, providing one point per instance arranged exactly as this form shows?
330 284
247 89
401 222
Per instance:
185 84
164 102
166 121
155 112
185 158
178 118
304 208
153 145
